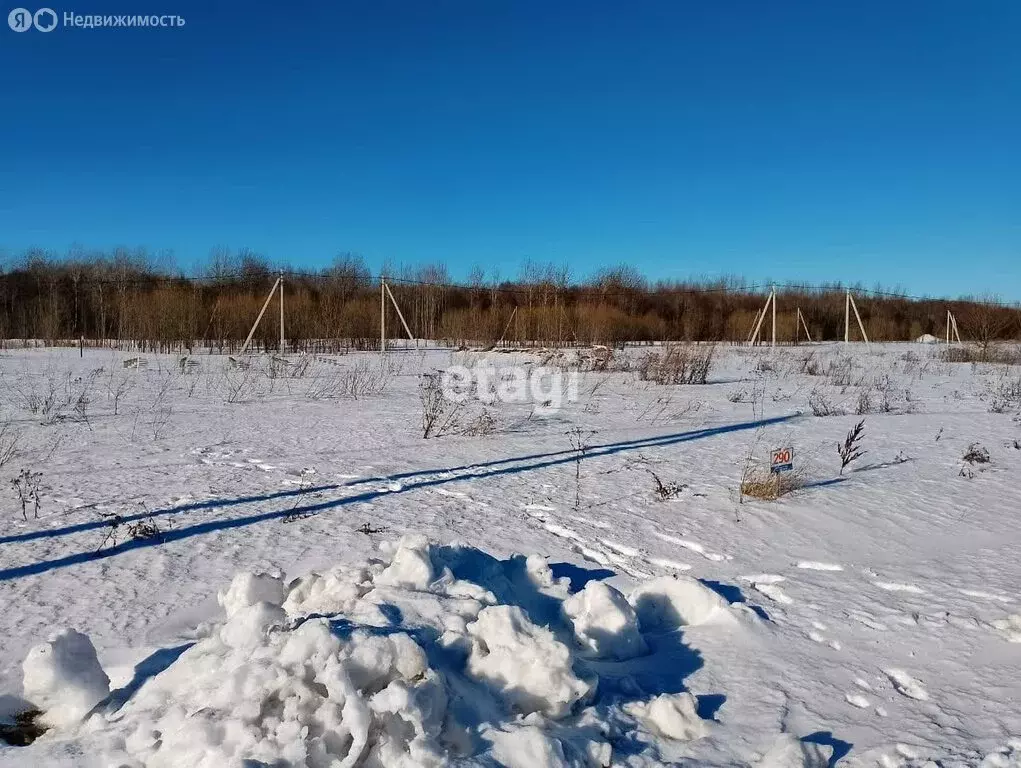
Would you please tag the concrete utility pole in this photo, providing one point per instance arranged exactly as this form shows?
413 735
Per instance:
773 294
847 317
281 311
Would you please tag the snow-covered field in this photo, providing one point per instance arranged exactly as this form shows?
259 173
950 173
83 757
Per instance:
516 591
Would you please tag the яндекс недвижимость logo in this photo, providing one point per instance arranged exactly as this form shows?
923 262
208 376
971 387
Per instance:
46 20
22 19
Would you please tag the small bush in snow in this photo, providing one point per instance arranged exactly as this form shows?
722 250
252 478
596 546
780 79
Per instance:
666 491
976 454
821 406
679 364
850 450
438 413
759 483
26 487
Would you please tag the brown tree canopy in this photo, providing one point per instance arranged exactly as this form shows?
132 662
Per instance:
137 296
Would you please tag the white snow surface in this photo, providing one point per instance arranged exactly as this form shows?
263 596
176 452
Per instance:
329 588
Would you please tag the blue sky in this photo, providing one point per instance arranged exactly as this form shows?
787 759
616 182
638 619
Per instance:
869 141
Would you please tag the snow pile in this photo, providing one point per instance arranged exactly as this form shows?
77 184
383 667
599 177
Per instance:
789 752
431 656
64 679
672 716
679 601
604 622
531 669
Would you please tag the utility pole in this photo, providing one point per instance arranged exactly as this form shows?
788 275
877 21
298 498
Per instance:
262 311
281 311
382 317
847 317
773 294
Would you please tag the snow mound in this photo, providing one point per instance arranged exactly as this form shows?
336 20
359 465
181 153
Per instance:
429 656
673 716
248 589
604 622
64 679
669 602
790 752
526 663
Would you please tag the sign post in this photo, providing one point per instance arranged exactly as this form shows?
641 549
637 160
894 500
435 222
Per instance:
781 460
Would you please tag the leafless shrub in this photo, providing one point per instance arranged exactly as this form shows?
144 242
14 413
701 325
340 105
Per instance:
678 364
146 528
821 405
26 487
363 379
438 413
1002 354
841 371
9 441
118 387
159 421
238 382
864 402
810 365
482 425
580 443
976 454
1006 395
850 450
668 490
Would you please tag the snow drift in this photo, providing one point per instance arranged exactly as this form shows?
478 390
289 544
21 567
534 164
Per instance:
428 656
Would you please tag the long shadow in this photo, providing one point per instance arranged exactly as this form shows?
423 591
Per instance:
450 476
210 504
595 450
145 670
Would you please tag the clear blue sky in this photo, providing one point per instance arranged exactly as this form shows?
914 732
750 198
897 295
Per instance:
872 141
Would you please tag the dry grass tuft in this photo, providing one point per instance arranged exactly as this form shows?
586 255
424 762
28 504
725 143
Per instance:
760 484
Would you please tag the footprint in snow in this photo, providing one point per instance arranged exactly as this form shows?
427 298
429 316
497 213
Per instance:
893 586
856 699
693 546
670 564
620 549
986 595
907 685
812 565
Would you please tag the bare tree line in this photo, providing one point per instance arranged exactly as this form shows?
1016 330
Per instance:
134 297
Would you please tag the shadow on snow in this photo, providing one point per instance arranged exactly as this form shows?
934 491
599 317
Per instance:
494 468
